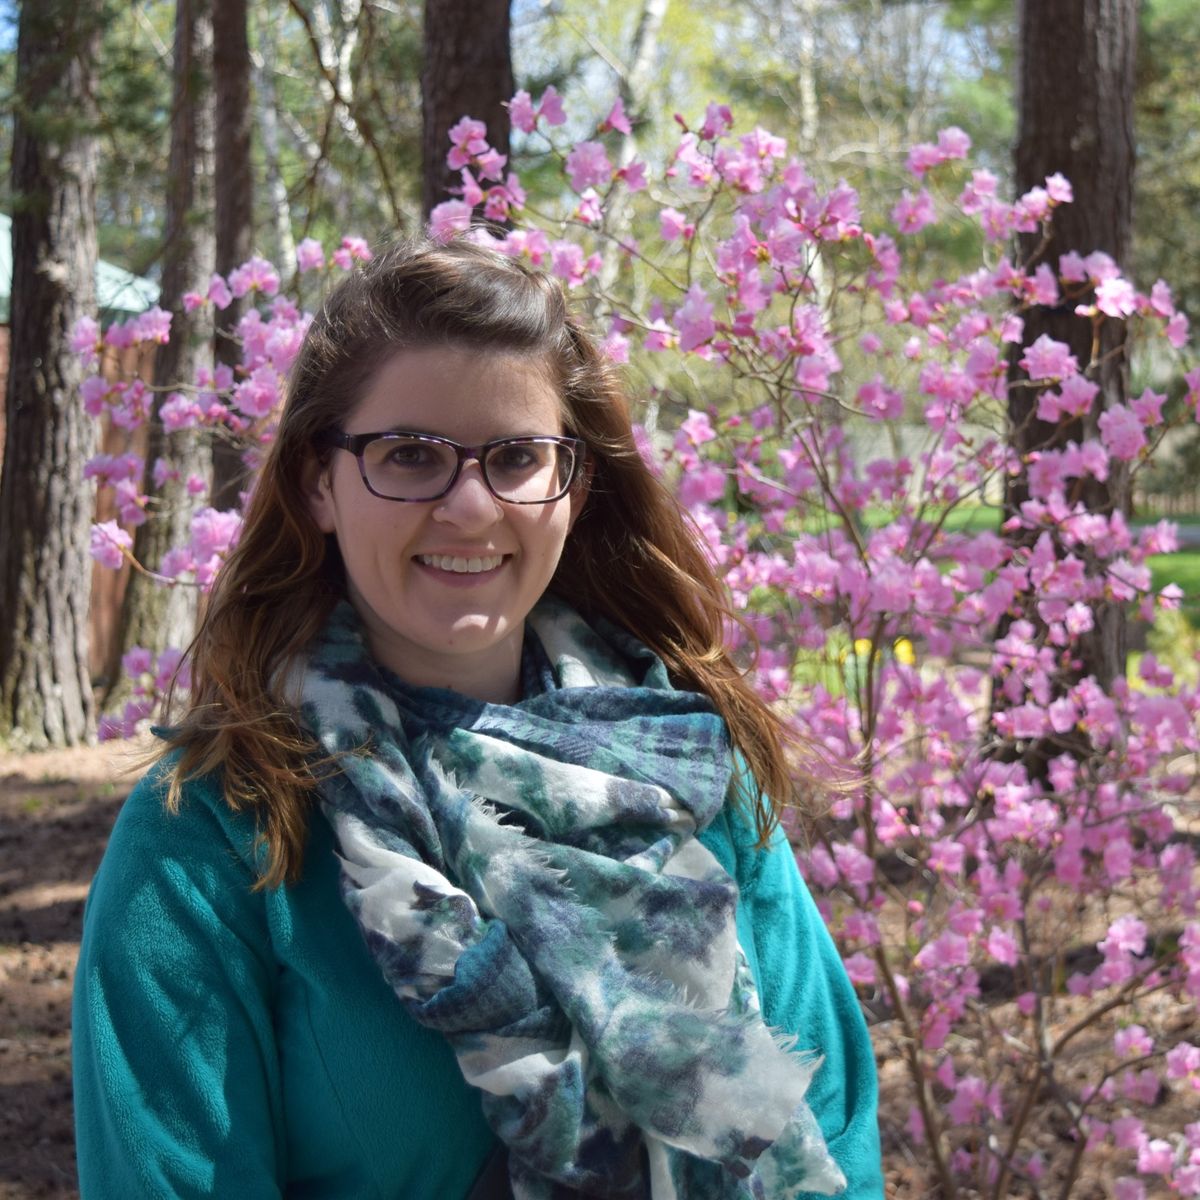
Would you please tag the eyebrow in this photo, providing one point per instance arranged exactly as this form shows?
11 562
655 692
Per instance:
408 430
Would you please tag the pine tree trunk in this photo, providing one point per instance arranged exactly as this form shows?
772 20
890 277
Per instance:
154 616
45 505
1075 100
467 72
234 206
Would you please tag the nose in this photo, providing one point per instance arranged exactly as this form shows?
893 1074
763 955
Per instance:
469 504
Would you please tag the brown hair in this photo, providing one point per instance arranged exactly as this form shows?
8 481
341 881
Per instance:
632 556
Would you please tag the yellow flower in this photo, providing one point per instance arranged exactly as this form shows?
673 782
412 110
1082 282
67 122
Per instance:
903 650
862 646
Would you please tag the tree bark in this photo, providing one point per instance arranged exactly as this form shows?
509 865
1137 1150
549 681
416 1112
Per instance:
467 72
234 207
45 505
268 124
1075 115
154 616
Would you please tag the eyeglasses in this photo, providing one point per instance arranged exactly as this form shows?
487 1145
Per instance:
417 466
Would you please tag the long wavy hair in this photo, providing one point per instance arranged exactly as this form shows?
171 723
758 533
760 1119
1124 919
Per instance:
632 556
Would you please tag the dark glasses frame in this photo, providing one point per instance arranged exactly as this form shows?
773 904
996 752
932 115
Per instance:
356 444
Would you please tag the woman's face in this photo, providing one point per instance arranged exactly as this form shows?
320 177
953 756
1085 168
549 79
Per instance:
430 619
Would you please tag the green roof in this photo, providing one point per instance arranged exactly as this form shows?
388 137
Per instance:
119 294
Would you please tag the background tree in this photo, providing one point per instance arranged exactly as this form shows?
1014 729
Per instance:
233 208
155 617
45 509
467 71
1075 116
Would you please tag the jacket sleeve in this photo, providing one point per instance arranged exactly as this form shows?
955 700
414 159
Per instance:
176 1077
805 991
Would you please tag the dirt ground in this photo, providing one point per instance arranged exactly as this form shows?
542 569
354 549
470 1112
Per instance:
56 810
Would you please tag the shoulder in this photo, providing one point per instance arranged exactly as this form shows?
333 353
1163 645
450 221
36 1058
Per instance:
734 840
203 824
173 875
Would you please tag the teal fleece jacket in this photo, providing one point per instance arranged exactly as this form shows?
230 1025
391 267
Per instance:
243 1044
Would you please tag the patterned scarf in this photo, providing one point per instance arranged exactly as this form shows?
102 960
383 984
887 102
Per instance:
529 880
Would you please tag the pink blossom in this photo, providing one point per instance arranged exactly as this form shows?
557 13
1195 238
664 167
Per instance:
154 325
673 224
634 175
717 121
588 166
1148 407
137 660
879 401
551 107
860 968
357 248
696 430
952 143
109 543
310 255
1161 301
94 392
616 118
1183 1062
1155 1157
468 138
615 347
257 275
490 165
1121 433
694 319
520 112
1126 935
448 218
913 213
219 293
1127 1188
85 341
1177 331
567 262
1048 359
1115 297
1002 946
703 484
1059 189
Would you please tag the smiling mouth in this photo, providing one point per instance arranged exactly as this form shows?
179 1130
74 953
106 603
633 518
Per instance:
461 566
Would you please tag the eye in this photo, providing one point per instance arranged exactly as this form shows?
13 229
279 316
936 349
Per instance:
404 453
518 456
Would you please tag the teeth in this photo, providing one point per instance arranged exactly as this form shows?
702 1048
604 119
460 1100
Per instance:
462 566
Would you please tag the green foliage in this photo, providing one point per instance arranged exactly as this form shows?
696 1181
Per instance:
1182 568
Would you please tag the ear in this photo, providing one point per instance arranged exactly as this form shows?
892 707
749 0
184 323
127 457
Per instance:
319 493
579 491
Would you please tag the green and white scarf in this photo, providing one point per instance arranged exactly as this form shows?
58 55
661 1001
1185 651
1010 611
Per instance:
529 880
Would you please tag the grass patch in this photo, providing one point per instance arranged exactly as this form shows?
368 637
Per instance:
1183 568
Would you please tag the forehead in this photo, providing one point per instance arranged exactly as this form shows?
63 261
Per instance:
460 392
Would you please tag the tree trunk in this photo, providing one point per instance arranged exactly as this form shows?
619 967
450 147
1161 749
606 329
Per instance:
45 505
154 616
1075 102
234 206
268 124
635 84
467 72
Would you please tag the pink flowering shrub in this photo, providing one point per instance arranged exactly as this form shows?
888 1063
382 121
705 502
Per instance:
987 783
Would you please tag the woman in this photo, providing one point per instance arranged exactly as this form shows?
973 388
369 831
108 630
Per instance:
463 684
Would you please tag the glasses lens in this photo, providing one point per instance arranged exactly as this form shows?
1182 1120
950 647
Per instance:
529 470
408 468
